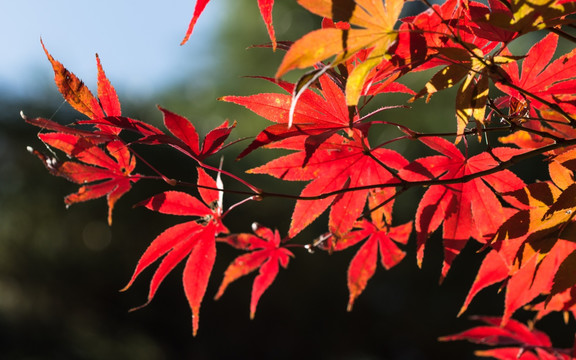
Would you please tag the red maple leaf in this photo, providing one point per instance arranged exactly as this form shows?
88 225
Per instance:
514 333
108 128
104 111
469 209
186 139
195 239
564 302
527 253
430 38
81 98
480 12
267 254
99 174
517 340
380 237
265 10
96 136
534 276
540 78
315 118
338 164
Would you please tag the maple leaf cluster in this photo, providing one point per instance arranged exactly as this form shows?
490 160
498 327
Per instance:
359 54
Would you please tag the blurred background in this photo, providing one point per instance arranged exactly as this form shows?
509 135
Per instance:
61 269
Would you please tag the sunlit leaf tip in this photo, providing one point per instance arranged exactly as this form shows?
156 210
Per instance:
198 9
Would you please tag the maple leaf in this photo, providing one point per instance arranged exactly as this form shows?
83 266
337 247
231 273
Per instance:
267 254
547 214
107 96
80 97
465 57
108 128
562 302
73 89
523 16
470 66
547 222
513 333
534 276
540 78
435 36
549 125
98 173
265 10
186 139
469 209
562 167
479 14
376 20
115 124
97 137
104 111
450 35
195 239
518 341
527 252
315 118
380 79
338 164
380 237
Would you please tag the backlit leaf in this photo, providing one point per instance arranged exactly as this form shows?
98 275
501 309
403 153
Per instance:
333 167
267 254
195 239
73 89
469 209
375 19
99 174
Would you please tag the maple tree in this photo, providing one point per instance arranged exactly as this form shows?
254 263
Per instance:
509 108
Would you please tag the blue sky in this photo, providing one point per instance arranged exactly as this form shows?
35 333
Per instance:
137 41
